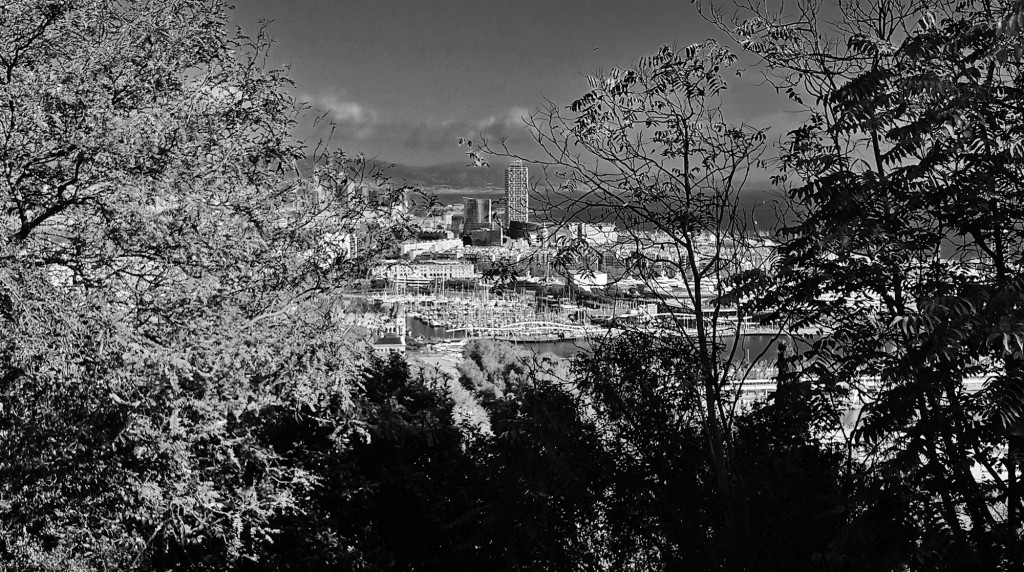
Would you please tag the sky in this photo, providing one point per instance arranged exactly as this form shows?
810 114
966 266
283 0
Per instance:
404 79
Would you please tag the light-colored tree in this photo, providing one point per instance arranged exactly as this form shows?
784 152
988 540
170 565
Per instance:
166 282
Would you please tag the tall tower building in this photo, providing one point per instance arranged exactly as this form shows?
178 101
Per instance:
517 192
477 213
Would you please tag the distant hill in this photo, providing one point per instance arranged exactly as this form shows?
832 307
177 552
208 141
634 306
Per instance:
455 175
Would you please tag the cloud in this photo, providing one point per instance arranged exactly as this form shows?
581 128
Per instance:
514 118
361 127
350 116
425 132
346 111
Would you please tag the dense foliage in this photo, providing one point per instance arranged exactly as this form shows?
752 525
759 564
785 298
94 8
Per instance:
905 181
161 288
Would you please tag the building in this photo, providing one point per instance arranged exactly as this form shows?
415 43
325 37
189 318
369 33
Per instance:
476 214
393 342
594 234
390 343
334 245
517 192
352 195
425 273
518 231
485 236
588 280
432 246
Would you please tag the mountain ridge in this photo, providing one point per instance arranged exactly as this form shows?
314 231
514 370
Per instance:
456 175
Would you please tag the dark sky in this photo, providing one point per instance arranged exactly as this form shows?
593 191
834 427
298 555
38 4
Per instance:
405 78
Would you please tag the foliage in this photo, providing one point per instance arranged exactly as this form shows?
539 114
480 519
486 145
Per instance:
488 368
650 150
610 471
641 392
402 486
396 484
491 368
906 182
164 283
545 474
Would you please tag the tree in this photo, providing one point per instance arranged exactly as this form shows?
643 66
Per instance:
608 469
644 395
489 368
650 150
402 485
545 475
164 279
907 178
398 487
542 470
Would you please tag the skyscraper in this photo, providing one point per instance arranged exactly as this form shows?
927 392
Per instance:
517 192
477 214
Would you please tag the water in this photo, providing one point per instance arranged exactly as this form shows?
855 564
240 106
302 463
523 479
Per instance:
753 347
754 204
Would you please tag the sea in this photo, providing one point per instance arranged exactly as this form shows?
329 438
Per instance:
761 208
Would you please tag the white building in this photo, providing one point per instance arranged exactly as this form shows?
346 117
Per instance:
427 272
433 246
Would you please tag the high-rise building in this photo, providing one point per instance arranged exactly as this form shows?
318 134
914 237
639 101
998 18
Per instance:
517 192
477 214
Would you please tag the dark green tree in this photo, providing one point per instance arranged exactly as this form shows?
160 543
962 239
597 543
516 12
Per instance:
906 183
396 487
609 469
662 506
547 472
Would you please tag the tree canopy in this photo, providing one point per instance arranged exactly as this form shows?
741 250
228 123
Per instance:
162 286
